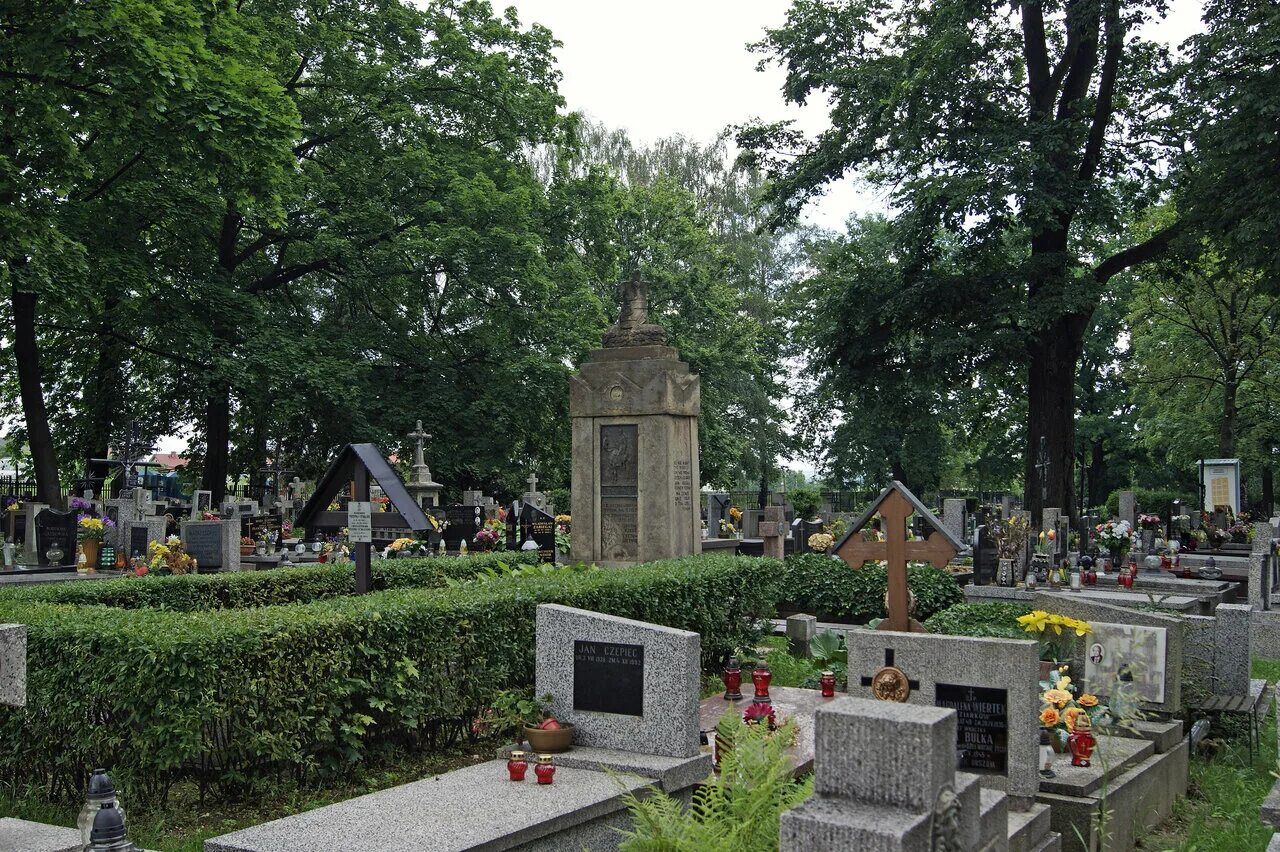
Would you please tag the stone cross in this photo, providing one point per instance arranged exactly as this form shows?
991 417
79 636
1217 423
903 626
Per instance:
894 509
533 483
419 436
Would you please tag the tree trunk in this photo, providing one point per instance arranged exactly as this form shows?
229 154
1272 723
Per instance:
1268 491
1051 410
217 425
1097 474
102 395
1227 429
39 439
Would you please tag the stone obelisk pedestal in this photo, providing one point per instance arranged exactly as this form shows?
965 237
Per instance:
634 407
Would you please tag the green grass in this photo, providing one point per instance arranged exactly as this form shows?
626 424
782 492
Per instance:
1220 813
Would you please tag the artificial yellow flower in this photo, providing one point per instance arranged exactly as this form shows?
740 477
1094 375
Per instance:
1048 717
1057 696
1034 621
1063 682
1087 700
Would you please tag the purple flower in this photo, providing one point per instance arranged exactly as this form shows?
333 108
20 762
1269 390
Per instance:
80 505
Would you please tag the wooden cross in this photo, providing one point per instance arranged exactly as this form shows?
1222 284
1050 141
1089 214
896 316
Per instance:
895 550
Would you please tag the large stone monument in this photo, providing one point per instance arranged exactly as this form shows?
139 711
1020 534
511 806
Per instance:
634 407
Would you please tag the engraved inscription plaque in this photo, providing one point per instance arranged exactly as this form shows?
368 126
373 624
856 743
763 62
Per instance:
683 478
608 677
982 725
619 494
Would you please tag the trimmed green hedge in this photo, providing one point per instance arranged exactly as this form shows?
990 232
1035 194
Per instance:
1152 501
245 589
831 590
980 619
236 696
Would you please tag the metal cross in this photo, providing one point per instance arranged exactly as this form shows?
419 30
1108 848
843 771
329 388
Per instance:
1042 470
419 436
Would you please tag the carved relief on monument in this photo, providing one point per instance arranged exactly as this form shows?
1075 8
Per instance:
619 494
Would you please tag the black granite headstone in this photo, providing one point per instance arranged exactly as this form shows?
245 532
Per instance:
527 521
54 527
608 677
982 725
464 523
138 540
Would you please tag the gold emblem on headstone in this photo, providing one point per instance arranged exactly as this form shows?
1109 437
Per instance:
890 684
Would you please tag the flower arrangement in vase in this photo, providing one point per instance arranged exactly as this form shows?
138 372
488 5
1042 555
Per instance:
1063 713
1115 537
821 542
169 558
1149 522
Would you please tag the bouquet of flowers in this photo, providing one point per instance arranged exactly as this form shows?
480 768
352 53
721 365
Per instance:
401 545
1240 532
487 537
90 528
170 557
1044 543
1061 707
1115 536
1011 537
821 542
1149 522
79 504
1054 632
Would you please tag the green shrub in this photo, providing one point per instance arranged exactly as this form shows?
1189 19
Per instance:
231 697
806 501
245 589
1154 501
980 619
831 590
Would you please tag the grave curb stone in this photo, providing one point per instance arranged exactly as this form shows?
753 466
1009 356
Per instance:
20 835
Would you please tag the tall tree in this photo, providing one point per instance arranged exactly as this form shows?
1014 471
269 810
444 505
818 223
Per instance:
93 94
1206 342
1022 136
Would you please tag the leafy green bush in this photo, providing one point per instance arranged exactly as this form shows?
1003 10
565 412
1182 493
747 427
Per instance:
232 697
980 619
245 589
1154 501
806 501
831 590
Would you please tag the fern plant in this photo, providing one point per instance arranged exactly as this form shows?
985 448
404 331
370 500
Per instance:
735 811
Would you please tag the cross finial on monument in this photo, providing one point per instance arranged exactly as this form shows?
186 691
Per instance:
533 483
419 436
894 506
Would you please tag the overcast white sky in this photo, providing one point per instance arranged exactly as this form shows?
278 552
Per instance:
664 67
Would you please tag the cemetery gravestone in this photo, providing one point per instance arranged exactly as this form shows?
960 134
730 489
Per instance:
624 684
717 510
215 545
990 683
525 522
634 408
1129 508
201 502
953 516
56 529
13 664
464 522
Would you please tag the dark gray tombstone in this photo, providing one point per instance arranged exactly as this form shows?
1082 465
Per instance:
464 523
54 527
526 521
717 508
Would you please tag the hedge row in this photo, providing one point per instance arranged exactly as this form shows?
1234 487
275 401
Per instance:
981 619
231 697
245 589
829 589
